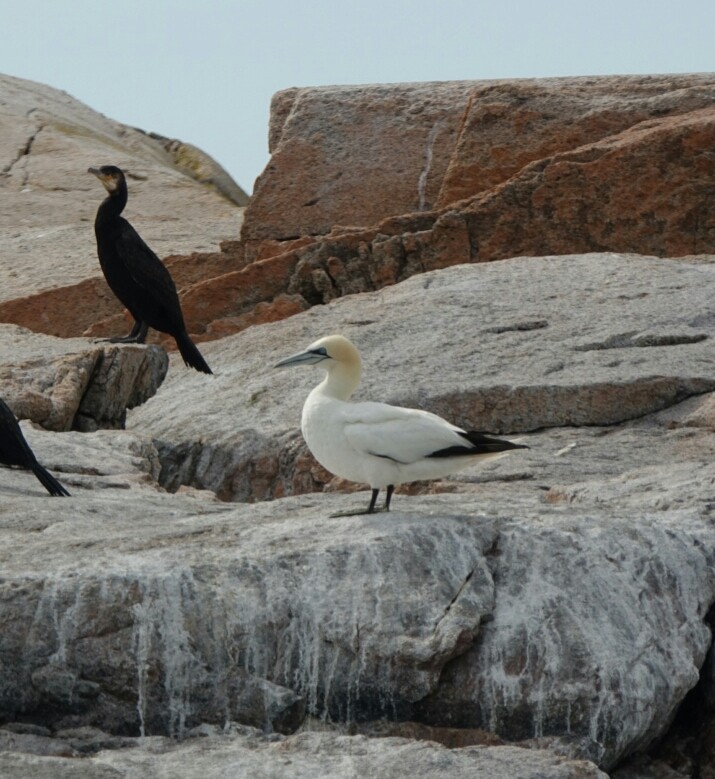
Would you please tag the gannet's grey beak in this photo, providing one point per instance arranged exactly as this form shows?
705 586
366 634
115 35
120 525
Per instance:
311 357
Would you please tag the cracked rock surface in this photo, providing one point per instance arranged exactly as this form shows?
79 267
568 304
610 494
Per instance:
151 613
243 753
522 344
561 596
48 200
75 384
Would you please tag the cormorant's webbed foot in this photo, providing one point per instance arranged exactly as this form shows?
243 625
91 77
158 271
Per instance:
137 335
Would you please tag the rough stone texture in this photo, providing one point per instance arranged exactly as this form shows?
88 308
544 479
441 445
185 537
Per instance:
151 619
75 384
353 155
202 167
522 344
508 124
243 754
561 594
554 166
48 200
561 597
90 308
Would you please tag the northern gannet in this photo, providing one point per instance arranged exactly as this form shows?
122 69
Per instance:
376 443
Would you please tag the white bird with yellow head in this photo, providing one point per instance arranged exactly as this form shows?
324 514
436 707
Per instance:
376 443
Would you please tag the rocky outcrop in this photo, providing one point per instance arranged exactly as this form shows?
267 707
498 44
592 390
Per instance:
561 598
200 166
521 345
356 155
582 620
74 384
47 141
353 156
485 171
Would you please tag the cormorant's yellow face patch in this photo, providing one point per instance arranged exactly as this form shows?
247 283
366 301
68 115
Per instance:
110 182
109 175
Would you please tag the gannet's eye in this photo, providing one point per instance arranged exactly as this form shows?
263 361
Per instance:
322 351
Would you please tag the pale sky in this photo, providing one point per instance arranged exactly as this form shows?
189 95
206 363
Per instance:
204 71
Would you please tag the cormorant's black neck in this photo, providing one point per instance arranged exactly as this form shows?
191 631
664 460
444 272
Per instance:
113 205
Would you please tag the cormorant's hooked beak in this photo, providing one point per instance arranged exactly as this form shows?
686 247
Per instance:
95 172
311 357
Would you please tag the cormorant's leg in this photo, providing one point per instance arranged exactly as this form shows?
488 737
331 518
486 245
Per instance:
388 497
137 335
370 509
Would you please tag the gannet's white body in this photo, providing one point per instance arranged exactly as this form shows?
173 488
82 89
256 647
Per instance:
376 443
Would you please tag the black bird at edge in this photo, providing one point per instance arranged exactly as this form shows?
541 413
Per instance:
14 450
136 275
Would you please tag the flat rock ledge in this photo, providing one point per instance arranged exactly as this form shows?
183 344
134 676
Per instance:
242 753
519 345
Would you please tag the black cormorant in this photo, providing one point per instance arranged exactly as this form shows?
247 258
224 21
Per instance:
136 275
14 450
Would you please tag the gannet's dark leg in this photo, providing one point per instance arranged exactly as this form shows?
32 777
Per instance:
388 497
370 509
137 335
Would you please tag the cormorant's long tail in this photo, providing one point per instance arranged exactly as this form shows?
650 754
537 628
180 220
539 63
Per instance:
48 481
192 356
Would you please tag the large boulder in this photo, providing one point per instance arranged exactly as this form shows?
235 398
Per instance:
354 155
75 384
561 595
368 186
583 621
47 141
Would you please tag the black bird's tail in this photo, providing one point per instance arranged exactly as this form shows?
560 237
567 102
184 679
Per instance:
192 356
48 481
477 443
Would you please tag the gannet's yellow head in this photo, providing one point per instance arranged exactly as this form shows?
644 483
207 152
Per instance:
328 352
339 358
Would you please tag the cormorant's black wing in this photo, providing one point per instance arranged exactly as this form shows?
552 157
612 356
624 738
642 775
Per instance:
153 282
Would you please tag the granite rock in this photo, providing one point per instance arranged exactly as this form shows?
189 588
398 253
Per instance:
354 155
48 200
503 347
65 384
243 754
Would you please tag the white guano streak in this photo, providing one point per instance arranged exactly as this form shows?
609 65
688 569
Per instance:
422 182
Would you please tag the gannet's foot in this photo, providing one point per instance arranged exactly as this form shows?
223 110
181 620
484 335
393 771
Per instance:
357 513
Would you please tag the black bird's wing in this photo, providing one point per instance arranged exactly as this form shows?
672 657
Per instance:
477 443
153 290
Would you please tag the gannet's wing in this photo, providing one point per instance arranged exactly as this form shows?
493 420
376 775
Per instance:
404 435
